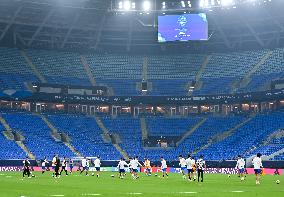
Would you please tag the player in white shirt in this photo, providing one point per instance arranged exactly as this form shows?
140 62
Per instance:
97 163
53 164
164 167
241 167
257 165
121 168
43 165
200 167
182 164
64 166
134 163
85 166
189 165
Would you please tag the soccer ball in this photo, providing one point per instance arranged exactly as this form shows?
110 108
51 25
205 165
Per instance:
112 175
33 175
93 174
229 176
156 174
277 182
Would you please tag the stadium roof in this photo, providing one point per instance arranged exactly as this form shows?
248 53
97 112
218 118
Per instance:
94 25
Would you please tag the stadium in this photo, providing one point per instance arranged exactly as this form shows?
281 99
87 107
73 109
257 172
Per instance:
141 97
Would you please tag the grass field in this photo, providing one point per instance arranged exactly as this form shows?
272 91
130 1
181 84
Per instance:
12 185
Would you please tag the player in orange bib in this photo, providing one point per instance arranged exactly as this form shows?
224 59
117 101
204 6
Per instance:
147 165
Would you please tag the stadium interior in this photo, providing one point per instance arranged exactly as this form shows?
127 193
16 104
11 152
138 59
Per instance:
108 54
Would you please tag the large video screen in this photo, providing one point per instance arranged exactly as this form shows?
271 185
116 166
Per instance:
182 27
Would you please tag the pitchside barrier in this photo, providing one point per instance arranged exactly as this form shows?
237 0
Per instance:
221 167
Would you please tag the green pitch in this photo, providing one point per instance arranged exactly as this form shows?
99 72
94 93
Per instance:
12 185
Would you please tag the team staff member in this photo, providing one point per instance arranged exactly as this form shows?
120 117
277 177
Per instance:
57 167
27 164
200 168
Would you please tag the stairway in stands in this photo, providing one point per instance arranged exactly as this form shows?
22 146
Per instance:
10 136
33 67
57 137
248 77
224 135
88 70
143 128
198 82
106 135
188 133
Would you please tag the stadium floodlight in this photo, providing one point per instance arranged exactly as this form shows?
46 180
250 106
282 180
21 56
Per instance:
202 3
189 4
212 2
163 5
206 3
146 5
227 2
126 5
120 5
133 5
182 4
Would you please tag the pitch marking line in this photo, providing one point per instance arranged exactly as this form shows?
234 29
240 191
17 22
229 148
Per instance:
187 192
136 193
57 195
91 194
237 191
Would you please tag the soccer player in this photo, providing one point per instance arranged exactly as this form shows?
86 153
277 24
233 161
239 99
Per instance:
147 165
257 165
71 165
85 164
200 167
194 170
164 167
121 168
189 164
98 165
182 164
53 165
57 167
241 167
130 167
134 164
64 166
43 165
26 166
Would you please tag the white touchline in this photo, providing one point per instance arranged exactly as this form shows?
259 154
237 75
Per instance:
237 191
187 192
91 194
57 195
134 193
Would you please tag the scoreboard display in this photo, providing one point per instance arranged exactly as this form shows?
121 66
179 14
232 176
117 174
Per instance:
183 27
